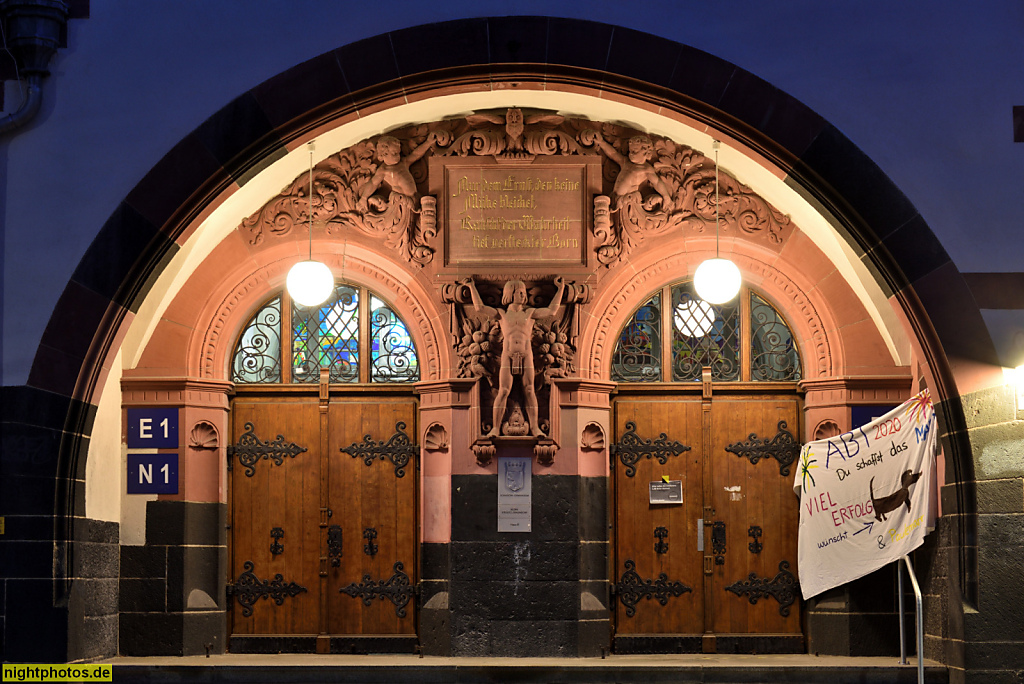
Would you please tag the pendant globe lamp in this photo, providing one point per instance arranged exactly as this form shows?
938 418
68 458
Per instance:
717 280
310 282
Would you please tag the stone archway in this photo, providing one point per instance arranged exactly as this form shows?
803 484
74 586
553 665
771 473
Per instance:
156 220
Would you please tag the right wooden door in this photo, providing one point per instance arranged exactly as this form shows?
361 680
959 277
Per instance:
715 572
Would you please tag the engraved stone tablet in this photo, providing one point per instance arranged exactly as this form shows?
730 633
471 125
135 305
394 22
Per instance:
515 494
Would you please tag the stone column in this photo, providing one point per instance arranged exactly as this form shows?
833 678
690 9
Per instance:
539 593
172 598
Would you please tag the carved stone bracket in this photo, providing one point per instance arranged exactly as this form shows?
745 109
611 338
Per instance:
398 589
544 450
250 449
398 449
484 450
631 588
631 448
783 588
783 447
248 589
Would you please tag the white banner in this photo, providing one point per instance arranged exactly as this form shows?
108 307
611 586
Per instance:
867 497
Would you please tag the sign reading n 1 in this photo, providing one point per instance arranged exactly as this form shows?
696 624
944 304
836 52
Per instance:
152 473
515 494
152 428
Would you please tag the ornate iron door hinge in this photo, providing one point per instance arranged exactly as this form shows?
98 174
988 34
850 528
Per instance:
782 588
248 589
397 589
631 448
631 588
398 449
783 447
250 449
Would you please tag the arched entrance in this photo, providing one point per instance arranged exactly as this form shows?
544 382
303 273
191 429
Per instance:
762 152
323 483
705 519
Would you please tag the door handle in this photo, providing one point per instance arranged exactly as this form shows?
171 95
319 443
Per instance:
718 541
334 545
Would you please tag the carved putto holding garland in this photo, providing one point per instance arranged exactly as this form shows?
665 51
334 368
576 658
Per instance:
651 185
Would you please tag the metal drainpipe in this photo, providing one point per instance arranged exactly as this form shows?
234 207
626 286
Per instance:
32 29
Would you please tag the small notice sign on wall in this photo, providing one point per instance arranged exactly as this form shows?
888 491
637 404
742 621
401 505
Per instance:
670 492
515 494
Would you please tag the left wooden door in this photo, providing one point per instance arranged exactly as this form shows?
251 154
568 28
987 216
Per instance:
323 496
275 482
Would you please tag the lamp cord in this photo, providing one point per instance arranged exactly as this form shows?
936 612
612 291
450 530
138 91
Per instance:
714 144
310 201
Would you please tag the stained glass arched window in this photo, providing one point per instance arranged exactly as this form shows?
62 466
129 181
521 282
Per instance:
743 340
339 335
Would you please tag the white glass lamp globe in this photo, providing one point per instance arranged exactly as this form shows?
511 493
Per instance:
310 282
717 281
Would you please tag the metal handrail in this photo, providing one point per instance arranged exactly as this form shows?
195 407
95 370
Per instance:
919 620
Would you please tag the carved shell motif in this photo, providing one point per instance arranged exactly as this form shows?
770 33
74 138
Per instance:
204 436
592 437
826 428
435 438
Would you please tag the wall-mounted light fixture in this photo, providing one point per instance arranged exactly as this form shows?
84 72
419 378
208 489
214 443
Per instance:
717 280
310 282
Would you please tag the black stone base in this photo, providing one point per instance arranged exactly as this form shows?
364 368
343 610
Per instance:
172 634
372 644
541 593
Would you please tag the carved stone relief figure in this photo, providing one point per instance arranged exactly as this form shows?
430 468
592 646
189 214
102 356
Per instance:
658 186
378 186
516 349
370 187
516 324
514 135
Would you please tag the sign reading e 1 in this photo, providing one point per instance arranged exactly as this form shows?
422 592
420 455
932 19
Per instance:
152 428
152 473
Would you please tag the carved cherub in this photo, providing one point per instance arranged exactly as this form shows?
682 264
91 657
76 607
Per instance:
516 322
393 169
635 170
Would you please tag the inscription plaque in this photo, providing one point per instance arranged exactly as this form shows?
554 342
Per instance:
524 211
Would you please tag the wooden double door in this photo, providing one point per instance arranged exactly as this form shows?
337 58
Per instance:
323 529
715 572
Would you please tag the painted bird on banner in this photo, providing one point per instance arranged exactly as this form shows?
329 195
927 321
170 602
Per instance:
867 497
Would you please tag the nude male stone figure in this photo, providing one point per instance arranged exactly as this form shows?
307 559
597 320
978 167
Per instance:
516 322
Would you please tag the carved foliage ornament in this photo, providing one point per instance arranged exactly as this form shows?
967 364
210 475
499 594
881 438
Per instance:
652 185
